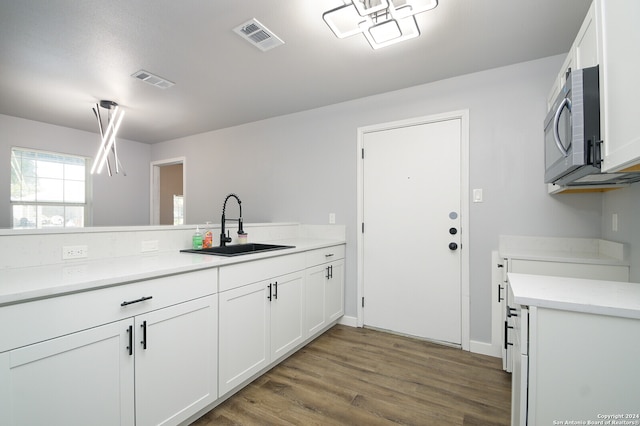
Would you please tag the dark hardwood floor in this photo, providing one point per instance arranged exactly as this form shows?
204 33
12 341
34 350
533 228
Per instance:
356 376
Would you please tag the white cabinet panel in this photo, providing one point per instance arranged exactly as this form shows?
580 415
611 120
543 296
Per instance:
316 317
287 303
176 361
620 90
84 378
243 334
334 291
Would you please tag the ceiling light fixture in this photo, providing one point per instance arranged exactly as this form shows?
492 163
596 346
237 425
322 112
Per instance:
108 144
382 22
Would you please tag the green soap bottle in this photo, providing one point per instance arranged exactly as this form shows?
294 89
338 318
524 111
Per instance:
197 239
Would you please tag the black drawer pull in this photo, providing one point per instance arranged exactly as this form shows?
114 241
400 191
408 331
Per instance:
328 255
131 302
144 335
130 347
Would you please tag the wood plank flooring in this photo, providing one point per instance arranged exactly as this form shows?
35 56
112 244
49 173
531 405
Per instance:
356 376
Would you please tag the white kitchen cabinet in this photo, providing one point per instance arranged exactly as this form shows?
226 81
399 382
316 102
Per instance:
609 37
580 366
619 88
520 366
176 361
259 322
549 268
84 378
334 291
583 54
81 358
578 342
243 334
324 281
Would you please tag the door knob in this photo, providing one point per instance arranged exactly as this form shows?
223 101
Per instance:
453 246
453 231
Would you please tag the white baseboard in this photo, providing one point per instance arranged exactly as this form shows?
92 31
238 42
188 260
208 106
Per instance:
350 321
484 348
477 347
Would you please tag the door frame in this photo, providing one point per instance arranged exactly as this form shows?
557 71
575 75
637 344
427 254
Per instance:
154 194
463 115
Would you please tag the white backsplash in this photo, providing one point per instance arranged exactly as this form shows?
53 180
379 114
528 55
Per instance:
22 248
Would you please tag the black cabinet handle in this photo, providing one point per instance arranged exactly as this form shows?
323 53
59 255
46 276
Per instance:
144 335
269 296
131 302
327 276
506 335
328 255
130 347
500 298
330 271
510 312
275 286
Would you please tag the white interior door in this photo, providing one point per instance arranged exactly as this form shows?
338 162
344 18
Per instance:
411 210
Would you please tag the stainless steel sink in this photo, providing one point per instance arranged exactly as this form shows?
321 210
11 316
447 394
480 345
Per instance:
238 249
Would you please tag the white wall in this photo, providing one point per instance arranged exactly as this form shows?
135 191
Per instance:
302 166
117 200
626 204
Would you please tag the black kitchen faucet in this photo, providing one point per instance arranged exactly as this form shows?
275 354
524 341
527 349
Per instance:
225 238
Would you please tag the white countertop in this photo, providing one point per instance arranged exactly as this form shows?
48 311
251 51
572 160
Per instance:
23 284
620 299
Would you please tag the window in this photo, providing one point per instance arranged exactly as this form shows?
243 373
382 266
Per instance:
178 210
48 189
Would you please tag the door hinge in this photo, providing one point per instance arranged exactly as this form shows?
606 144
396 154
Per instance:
363 227
363 302
363 153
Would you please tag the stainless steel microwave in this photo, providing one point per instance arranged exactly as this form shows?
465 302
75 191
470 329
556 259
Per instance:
572 129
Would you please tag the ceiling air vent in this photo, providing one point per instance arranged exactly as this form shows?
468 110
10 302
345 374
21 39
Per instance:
258 35
152 79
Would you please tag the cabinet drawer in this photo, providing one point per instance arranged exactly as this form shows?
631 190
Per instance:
240 274
38 320
327 254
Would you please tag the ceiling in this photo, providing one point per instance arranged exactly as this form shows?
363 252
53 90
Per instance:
59 57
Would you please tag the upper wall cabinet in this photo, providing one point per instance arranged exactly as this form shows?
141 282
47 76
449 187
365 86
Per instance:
618 44
583 54
610 36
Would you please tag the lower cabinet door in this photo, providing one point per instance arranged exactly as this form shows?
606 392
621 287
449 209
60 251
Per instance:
315 299
287 328
84 378
334 291
244 344
176 362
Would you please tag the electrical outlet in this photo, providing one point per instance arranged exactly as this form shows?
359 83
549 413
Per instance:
332 218
74 252
614 222
149 245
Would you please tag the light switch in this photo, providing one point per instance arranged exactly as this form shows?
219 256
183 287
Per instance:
332 218
614 222
477 195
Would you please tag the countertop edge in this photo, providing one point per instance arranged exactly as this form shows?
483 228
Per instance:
613 298
202 262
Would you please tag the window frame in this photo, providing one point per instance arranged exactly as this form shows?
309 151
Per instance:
88 193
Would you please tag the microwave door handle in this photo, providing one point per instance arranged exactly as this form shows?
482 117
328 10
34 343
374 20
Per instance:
556 122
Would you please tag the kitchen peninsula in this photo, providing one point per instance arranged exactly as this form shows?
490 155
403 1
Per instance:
125 322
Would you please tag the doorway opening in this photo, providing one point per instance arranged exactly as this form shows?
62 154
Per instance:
168 192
